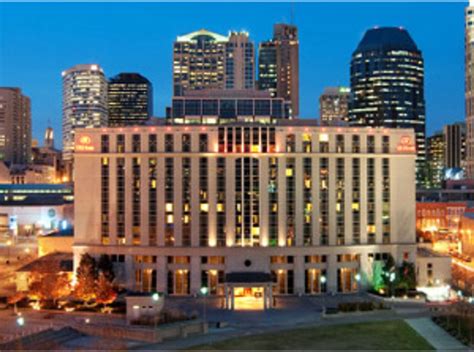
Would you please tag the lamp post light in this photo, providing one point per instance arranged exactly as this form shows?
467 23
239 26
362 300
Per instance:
155 297
322 281
204 290
20 322
391 278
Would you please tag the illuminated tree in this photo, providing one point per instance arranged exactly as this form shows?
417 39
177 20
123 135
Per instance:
105 293
86 275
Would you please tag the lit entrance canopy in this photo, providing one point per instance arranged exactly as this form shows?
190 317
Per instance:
248 290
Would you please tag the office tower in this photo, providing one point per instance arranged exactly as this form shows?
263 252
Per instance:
130 99
278 65
454 137
435 160
244 204
206 60
15 126
210 106
387 84
334 105
84 102
469 88
267 67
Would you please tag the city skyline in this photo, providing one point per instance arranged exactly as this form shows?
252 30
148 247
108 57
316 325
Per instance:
324 59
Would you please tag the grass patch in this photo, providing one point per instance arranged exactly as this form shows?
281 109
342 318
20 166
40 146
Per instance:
384 335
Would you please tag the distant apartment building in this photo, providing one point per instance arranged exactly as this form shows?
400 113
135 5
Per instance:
207 60
15 126
224 106
245 208
455 144
435 160
130 99
334 105
84 102
278 65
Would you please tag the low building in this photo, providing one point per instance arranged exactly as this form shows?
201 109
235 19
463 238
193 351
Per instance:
35 209
439 218
311 207
56 241
142 305
53 263
433 274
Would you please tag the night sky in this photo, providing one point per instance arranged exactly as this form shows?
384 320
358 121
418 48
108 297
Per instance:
38 41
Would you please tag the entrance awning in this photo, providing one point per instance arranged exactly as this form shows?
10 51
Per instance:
248 277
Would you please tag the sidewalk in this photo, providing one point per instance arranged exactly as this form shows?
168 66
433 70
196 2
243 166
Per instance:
435 335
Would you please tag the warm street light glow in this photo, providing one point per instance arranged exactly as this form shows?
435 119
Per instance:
20 321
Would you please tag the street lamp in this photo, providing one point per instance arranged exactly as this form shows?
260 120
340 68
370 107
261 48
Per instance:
323 280
155 297
204 290
391 278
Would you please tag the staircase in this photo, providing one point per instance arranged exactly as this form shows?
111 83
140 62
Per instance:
45 340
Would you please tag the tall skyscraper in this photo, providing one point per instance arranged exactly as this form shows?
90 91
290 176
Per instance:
206 60
84 102
454 137
334 105
15 126
278 65
387 84
130 99
469 88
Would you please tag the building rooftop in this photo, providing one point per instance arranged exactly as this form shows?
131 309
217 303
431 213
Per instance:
227 93
50 264
428 253
69 232
385 39
202 34
128 77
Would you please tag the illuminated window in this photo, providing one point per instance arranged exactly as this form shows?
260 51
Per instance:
169 207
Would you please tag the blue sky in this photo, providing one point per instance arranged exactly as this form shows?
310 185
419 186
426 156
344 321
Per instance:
38 41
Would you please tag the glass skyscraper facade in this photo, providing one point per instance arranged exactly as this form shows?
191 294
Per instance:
130 99
469 86
387 84
84 102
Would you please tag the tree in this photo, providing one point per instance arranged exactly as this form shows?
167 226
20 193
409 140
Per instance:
407 276
105 293
106 267
377 277
86 276
61 287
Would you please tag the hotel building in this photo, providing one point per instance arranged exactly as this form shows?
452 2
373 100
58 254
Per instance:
275 209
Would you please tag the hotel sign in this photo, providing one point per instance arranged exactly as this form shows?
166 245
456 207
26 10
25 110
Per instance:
406 145
84 144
